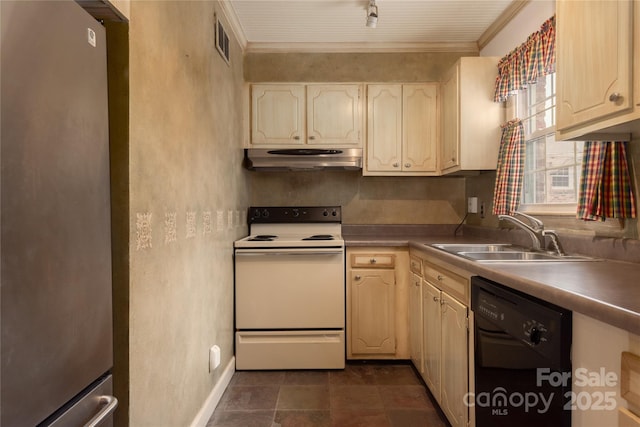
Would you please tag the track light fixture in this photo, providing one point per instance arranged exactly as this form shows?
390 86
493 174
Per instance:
372 14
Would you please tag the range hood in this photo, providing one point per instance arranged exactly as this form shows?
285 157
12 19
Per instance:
261 159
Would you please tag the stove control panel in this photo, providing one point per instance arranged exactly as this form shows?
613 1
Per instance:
294 214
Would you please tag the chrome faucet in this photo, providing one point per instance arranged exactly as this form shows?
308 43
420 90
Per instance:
535 229
555 241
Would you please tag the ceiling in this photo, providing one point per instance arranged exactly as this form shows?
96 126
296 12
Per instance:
339 25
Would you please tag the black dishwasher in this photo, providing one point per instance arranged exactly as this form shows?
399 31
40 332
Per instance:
522 358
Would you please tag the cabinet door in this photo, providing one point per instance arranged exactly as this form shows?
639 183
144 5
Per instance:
455 357
419 127
450 155
432 334
277 114
594 60
372 311
415 321
334 114
384 128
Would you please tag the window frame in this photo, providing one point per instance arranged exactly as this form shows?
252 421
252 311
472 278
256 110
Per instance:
512 110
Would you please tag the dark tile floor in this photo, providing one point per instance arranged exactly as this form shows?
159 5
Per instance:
361 395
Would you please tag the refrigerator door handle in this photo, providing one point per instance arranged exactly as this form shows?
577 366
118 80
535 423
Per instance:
110 403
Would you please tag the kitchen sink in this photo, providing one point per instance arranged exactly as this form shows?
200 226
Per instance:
503 252
475 247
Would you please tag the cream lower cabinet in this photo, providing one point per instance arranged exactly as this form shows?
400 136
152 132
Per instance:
446 357
445 338
402 129
597 36
415 315
377 299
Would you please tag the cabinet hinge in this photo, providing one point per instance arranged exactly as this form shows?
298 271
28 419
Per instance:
467 322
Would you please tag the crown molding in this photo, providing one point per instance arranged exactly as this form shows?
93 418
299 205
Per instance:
364 47
498 25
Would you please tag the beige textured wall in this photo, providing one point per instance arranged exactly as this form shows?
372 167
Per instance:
188 195
365 200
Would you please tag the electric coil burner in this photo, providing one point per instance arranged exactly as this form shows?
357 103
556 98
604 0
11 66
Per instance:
290 289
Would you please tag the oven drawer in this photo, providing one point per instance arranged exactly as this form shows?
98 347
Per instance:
290 289
290 350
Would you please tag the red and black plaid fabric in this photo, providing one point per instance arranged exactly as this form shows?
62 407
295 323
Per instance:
509 174
605 187
525 64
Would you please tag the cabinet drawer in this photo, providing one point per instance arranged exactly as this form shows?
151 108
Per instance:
373 260
415 264
455 285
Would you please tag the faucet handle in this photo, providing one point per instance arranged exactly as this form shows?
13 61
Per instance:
535 222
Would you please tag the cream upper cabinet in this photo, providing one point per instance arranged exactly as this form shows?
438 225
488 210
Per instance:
470 119
278 115
595 65
322 115
402 129
334 115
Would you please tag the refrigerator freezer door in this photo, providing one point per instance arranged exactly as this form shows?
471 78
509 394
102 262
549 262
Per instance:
56 246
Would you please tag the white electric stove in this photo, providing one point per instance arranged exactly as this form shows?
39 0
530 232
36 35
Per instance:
290 289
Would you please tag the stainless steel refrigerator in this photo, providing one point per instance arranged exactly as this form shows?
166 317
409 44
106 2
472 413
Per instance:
55 279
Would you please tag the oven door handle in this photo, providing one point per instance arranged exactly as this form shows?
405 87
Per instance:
278 252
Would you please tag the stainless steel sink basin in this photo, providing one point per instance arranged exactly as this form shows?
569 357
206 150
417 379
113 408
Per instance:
509 256
503 252
521 256
475 247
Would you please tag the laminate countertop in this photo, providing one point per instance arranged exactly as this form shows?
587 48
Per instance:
606 290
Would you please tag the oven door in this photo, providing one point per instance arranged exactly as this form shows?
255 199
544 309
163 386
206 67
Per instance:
301 288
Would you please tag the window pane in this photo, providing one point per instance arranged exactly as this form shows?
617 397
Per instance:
552 168
562 188
534 188
559 153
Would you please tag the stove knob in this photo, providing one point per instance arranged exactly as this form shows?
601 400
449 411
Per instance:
296 213
334 213
265 213
325 213
535 335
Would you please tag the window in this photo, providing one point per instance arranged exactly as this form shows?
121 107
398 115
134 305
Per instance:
552 168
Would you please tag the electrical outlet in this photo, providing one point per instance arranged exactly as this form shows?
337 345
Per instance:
472 205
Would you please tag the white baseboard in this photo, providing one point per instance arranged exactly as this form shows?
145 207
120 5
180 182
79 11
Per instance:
204 414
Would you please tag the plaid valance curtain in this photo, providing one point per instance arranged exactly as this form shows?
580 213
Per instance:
525 64
605 187
506 194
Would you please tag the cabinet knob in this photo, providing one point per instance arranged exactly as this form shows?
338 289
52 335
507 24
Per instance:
358 277
312 137
407 165
440 278
395 165
297 138
373 260
615 97
436 299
